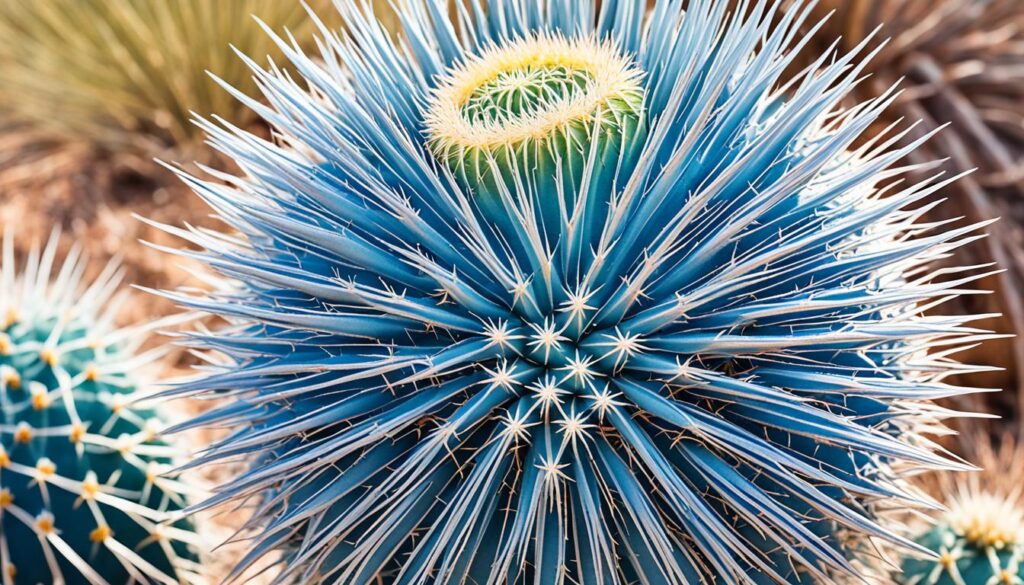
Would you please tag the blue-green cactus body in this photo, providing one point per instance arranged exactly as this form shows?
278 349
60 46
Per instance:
563 291
81 500
963 562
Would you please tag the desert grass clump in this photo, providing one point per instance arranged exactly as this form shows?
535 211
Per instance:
82 498
572 292
126 75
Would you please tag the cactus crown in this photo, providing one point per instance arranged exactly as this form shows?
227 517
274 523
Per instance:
531 90
81 496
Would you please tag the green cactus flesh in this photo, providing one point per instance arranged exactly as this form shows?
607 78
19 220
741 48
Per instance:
547 115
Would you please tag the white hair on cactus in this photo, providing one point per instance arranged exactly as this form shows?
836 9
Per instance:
987 519
608 76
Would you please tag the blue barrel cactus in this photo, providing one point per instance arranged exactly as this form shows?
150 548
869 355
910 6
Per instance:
567 291
81 495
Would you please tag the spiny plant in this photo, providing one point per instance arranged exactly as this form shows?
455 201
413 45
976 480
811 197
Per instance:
980 540
81 495
125 75
961 62
572 292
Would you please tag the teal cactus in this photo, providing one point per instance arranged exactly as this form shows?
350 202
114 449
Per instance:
964 560
980 540
81 496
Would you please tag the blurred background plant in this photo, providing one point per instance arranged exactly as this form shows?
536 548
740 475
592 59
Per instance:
961 62
82 495
124 76
979 539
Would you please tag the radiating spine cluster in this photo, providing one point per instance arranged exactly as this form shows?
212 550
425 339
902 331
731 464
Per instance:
499 321
81 495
